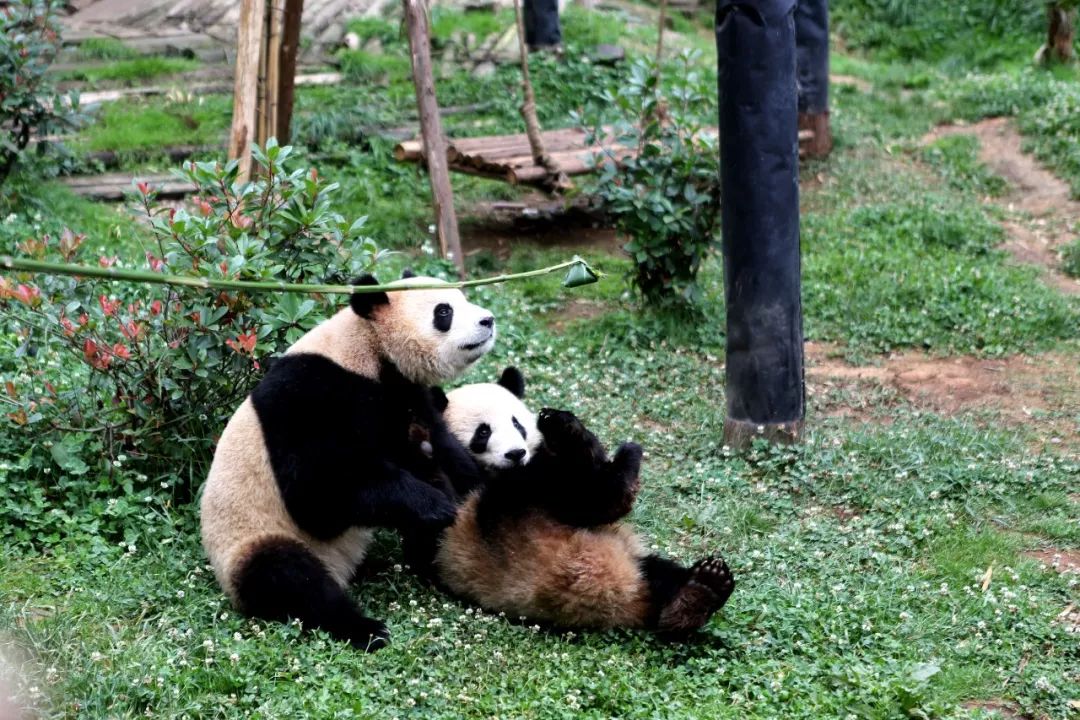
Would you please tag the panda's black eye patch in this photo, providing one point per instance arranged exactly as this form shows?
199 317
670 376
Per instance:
444 317
520 429
480 438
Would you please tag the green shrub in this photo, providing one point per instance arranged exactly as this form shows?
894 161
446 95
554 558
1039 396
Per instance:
963 33
29 41
149 374
666 200
1070 258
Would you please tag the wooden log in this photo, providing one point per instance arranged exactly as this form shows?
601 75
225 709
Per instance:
416 23
275 11
175 154
409 150
290 46
245 91
117 186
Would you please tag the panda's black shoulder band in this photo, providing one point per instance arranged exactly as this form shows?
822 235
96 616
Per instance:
364 303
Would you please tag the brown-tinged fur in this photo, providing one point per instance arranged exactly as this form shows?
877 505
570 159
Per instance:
241 506
547 571
242 509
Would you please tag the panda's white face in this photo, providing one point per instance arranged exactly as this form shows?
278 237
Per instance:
433 336
494 424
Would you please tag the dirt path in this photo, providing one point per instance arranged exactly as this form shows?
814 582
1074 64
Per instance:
1041 211
1041 391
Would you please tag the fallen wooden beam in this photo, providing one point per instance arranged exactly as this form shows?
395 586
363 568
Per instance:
117 186
95 97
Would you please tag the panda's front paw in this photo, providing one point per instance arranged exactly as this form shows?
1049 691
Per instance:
435 510
563 432
368 634
627 460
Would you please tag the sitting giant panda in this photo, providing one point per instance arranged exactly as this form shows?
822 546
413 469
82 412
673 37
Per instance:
320 453
541 538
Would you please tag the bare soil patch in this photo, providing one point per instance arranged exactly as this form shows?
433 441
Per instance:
1063 561
1005 709
1019 389
576 309
500 227
1042 211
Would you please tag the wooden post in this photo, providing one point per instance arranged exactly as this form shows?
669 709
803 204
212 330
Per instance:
812 68
245 89
759 173
290 47
416 23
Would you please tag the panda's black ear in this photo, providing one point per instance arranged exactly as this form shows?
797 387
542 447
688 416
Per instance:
407 273
514 381
364 303
439 399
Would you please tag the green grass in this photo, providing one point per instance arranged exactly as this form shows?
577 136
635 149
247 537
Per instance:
362 66
133 70
105 48
139 125
957 158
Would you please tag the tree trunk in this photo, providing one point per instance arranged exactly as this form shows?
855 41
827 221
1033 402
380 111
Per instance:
416 24
1060 34
528 111
245 94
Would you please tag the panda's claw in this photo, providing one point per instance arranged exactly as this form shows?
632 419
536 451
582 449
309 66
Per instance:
708 587
714 573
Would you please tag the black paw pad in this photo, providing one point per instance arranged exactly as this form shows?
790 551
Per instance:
714 574
708 587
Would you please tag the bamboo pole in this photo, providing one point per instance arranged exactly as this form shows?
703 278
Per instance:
271 78
14 264
245 87
416 22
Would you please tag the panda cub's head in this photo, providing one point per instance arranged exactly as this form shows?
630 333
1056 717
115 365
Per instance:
493 423
433 335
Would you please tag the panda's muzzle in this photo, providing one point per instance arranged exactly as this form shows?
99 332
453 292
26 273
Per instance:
489 324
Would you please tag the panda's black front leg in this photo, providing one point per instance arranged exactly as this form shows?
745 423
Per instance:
584 488
397 499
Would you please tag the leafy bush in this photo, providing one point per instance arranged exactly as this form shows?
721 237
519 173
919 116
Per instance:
964 33
666 200
28 43
1070 258
152 374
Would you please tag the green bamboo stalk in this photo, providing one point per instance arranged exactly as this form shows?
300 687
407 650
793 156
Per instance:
14 264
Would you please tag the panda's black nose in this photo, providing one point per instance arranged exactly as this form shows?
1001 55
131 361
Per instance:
487 322
515 456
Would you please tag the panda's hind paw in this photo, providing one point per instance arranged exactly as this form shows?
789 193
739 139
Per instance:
707 588
714 573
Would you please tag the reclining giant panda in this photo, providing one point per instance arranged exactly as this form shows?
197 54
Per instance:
541 538
320 454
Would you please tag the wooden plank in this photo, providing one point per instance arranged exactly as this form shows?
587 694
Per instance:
248 43
416 23
116 186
